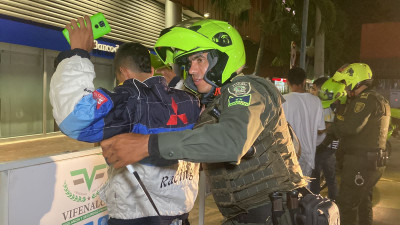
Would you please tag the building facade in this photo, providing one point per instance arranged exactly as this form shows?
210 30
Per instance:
31 38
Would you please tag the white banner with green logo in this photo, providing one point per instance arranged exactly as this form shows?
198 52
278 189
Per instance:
62 192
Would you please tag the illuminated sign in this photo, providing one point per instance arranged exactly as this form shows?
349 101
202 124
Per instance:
279 79
105 48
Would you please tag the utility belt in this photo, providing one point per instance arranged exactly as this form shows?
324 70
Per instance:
296 207
375 159
283 204
261 214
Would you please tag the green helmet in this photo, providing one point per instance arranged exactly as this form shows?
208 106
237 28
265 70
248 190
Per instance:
221 40
156 61
331 91
353 74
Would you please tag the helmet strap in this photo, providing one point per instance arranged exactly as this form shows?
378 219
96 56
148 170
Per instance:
206 98
190 84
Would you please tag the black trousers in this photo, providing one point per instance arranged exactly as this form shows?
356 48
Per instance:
355 201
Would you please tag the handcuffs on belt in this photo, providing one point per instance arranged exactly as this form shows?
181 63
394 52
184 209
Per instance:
359 180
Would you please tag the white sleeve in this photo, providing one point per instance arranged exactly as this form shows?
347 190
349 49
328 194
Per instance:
321 115
72 80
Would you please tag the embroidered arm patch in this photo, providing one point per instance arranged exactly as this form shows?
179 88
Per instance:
241 100
240 89
359 107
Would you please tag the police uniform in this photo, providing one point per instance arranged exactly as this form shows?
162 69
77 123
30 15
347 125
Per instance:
250 115
362 130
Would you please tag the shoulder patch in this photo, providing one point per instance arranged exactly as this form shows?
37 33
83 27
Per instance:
364 95
242 100
100 99
239 89
359 107
340 117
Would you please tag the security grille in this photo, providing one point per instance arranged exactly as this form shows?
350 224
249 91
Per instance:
130 20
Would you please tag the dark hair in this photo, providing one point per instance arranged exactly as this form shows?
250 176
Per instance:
134 56
296 75
320 81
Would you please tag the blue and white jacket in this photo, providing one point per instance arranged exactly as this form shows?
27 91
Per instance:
148 107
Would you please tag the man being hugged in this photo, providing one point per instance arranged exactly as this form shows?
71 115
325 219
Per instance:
141 104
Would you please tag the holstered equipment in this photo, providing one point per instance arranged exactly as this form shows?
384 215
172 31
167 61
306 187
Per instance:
377 159
277 206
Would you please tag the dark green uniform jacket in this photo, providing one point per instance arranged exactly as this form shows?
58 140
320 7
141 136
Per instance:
251 114
364 125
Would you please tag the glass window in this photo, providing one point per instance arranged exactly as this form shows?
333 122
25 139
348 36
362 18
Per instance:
21 90
22 73
50 124
105 76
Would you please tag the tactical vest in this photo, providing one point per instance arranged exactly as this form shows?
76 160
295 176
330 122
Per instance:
274 167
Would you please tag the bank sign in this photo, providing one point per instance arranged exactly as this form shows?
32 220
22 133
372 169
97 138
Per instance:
34 35
60 193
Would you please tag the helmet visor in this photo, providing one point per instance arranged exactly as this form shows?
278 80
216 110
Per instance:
173 42
325 95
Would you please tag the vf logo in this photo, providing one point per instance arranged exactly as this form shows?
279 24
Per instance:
86 179
80 187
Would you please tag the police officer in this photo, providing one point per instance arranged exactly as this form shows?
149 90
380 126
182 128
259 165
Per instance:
362 130
241 113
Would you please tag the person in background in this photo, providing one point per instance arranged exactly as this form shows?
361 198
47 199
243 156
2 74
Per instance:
305 114
170 76
316 85
331 94
242 136
173 80
362 130
142 103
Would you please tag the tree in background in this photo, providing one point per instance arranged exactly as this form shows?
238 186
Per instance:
275 20
341 20
322 19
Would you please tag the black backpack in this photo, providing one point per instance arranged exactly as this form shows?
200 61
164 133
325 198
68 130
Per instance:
317 210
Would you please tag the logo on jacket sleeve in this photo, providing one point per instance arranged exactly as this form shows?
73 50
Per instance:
173 119
240 89
242 100
100 99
